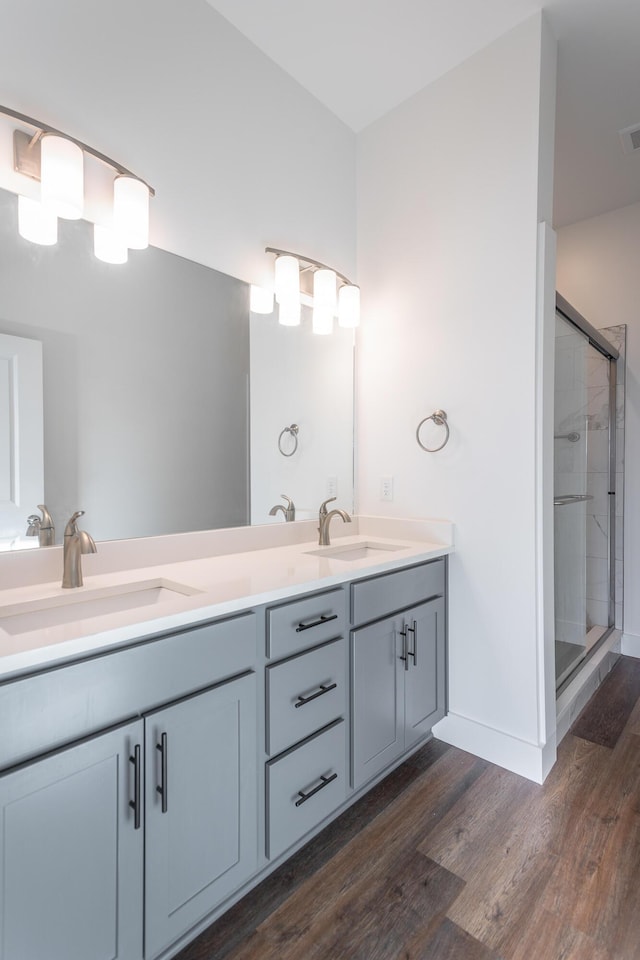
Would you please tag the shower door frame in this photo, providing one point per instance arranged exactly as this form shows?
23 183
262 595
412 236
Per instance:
606 349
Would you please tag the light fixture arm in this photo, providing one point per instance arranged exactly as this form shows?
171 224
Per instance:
41 128
307 260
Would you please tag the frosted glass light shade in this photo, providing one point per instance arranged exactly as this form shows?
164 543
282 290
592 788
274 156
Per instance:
287 279
108 246
62 177
35 223
349 306
289 313
131 211
260 299
322 319
324 288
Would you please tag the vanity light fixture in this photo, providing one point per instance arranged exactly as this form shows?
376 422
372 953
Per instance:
56 160
333 293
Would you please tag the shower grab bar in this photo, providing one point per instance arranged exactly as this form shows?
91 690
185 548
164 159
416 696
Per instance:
573 436
571 498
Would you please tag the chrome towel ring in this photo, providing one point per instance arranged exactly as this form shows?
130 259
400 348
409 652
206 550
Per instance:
440 418
293 430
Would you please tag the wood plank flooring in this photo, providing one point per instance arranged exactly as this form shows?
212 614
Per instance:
452 858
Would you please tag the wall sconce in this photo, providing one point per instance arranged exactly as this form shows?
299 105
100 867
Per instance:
57 161
333 294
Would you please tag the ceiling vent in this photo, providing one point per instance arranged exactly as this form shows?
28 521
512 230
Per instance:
630 138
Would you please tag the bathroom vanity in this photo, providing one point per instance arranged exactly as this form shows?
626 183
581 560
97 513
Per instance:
158 762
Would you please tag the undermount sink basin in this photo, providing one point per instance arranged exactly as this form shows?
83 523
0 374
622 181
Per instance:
53 611
355 551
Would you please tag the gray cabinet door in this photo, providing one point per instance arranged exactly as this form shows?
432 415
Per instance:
378 698
398 686
71 876
424 679
201 807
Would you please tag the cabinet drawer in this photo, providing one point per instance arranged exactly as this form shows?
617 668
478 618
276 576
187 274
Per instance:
45 711
380 596
304 786
296 702
304 623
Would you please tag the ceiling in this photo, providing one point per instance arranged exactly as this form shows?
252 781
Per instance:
361 58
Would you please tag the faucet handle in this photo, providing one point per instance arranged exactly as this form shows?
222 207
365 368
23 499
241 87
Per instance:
33 525
72 528
46 516
287 500
323 506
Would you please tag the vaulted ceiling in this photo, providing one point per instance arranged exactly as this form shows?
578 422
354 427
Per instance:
361 58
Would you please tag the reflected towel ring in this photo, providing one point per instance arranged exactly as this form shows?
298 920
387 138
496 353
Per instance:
440 418
293 430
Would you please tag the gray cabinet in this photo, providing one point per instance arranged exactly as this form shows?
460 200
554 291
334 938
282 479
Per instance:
304 786
71 857
398 685
201 807
305 718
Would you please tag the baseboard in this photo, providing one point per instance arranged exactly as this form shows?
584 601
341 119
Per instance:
529 760
631 645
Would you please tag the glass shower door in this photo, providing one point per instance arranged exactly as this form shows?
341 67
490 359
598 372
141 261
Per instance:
582 499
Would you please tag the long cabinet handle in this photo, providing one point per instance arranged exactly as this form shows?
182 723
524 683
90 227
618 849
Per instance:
405 651
162 786
414 653
316 623
324 688
324 782
136 803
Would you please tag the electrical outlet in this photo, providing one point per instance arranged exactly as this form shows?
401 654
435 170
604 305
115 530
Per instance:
386 488
332 486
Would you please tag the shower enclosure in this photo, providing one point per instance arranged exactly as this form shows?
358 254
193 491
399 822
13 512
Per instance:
584 489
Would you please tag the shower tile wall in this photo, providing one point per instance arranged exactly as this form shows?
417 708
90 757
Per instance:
570 467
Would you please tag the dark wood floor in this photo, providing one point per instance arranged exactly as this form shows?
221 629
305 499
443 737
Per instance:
452 858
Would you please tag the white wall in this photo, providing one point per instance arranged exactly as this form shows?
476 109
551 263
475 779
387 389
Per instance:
240 156
598 275
447 229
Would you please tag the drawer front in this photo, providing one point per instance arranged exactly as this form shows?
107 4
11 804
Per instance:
305 694
304 623
305 786
50 709
380 596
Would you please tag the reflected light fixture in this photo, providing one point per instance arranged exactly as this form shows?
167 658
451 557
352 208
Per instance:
108 245
57 161
35 223
260 299
333 293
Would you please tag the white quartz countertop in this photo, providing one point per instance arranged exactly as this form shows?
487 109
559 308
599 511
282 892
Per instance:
220 585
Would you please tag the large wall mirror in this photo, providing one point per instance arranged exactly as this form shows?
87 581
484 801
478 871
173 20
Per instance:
163 398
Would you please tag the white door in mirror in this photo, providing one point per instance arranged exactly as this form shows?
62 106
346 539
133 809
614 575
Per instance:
21 434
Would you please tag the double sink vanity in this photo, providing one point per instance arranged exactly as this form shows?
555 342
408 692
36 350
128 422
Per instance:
173 731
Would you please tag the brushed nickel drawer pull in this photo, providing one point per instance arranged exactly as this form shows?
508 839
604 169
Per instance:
324 688
325 781
316 623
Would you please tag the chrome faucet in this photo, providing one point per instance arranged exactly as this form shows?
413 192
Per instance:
325 517
289 511
42 528
76 542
